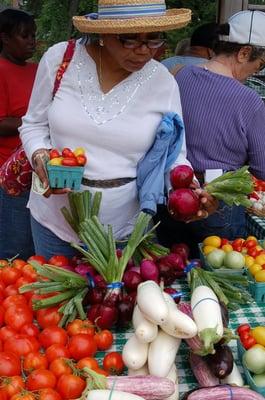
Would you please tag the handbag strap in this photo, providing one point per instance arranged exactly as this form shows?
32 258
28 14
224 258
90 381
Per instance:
67 57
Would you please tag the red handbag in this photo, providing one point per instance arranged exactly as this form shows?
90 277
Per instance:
16 172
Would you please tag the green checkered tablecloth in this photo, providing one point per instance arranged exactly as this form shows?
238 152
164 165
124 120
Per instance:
254 315
255 226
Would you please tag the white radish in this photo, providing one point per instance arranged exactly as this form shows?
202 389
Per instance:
135 353
162 353
235 378
151 302
145 330
141 371
173 376
207 315
111 394
177 323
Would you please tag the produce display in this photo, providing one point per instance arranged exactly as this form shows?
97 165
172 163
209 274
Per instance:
68 157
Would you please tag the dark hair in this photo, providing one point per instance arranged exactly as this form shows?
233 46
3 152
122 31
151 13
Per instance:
11 21
205 35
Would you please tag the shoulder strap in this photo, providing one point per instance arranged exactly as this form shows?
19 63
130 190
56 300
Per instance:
67 57
177 68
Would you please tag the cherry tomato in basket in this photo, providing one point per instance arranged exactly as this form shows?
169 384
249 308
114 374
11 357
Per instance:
68 153
243 328
69 162
224 241
248 342
81 160
54 153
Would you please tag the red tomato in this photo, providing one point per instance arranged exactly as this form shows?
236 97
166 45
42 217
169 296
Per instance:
10 275
9 364
14 300
17 316
224 241
30 330
253 252
248 342
88 362
78 326
237 244
81 346
2 315
54 153
67 153
250 243
12 385
59 261
1 345
53 335
104 339
3 395
101 371
21 345
57 351
69 162
35 360
70 386
81 160
60 367
23 396
6 332
40 259
41 379
4 263
48 317
48 394
22 281
113 363
29 272
243 328
18 263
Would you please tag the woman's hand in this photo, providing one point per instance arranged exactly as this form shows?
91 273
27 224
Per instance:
39 160
209 205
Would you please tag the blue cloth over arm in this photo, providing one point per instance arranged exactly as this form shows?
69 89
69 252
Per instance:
156 163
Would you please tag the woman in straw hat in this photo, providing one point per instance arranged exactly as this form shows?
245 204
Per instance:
110 101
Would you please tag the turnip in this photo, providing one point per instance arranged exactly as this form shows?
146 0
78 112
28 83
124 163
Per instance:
181 176
149 270
183 204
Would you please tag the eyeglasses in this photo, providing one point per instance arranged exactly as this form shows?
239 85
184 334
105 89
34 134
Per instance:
134 43
262 65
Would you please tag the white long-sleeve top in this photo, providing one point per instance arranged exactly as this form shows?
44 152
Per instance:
116 129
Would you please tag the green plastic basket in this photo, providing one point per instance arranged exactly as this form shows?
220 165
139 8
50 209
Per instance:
257 289
250 381
208 267
61 177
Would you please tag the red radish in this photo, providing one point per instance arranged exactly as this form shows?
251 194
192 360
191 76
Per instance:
170 267
149 270
131 280
135 268
183 204
125 310
84 269
181 176
182 249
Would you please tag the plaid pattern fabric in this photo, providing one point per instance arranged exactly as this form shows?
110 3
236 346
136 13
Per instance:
254 315
257 84
255 226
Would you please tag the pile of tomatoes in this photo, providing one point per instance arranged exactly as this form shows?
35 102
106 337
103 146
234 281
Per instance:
68 158
39 359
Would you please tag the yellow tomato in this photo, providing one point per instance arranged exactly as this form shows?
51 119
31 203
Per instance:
259 334
56 161
249 261
79 151
260 276
258 247
259 346
260 259
207 249
214 241
252 238
254 268
227 248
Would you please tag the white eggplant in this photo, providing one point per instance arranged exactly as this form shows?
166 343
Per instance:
134 353
207 315
162 353
173 376
177 323
235 378
141 371
151 302
145 330
111 394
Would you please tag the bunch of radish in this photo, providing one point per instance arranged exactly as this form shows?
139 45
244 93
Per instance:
159 327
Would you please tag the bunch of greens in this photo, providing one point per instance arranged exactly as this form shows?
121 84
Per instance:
233 187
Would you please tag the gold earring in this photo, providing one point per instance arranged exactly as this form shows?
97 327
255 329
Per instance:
101 42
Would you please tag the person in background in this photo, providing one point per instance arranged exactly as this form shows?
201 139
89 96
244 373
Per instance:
17 45
224 123
182 47
200 49
111 101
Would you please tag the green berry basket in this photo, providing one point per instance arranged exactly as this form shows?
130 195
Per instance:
257 289
61 177
250 381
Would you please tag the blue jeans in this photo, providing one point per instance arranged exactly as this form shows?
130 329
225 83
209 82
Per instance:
47 244
15 230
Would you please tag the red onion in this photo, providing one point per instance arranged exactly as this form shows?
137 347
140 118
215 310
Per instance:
183 204
131 280
83 269
68 268
104 316
181 176
125 310
95 295
170 267
182 249
100 281
149 270
135 268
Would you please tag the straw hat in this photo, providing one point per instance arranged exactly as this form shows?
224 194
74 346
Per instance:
132 16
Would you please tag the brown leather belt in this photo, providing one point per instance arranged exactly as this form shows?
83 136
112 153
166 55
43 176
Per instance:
108 183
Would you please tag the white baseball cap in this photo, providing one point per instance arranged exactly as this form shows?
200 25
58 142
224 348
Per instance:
246 27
